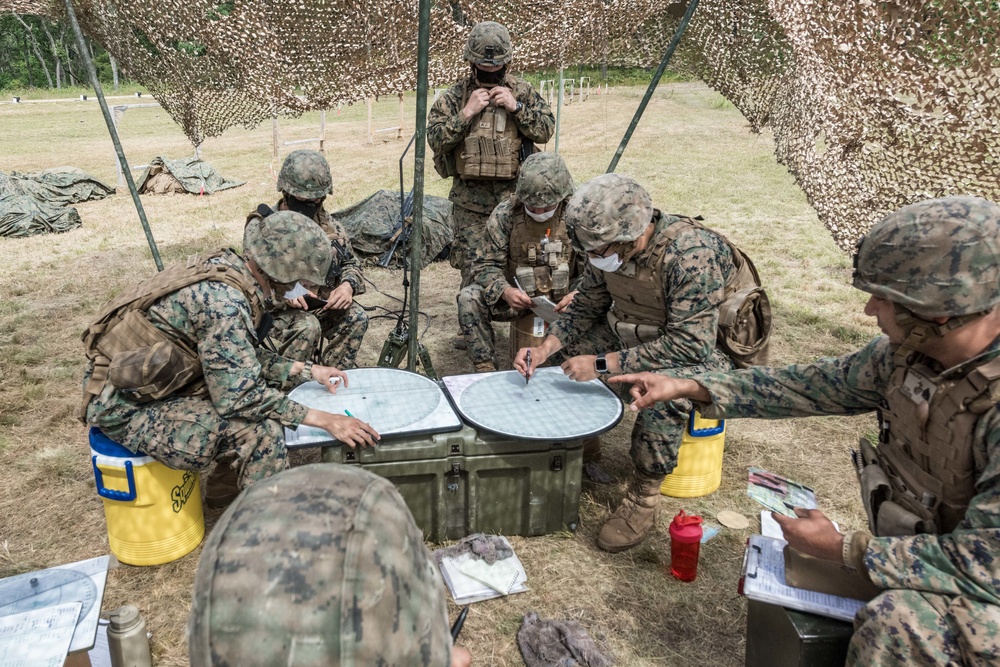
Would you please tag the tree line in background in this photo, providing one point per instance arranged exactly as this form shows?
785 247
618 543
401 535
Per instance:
38 53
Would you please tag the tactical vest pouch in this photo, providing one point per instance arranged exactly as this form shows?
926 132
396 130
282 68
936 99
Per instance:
896 521
526 278
543 279
560 281
144 358
633 334
152 373
745 326
444 164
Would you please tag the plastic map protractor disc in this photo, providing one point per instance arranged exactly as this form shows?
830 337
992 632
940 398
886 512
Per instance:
46 588
391 400
548 407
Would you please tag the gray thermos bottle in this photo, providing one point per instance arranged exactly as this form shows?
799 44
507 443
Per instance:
127 640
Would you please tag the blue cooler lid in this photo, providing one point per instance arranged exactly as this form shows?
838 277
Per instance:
105 446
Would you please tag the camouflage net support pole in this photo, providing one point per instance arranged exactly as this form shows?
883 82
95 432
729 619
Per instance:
109 121
559 104
416 232
652 84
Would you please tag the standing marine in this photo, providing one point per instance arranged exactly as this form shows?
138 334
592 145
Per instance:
931 485
481 130
650 299
525 253
330 333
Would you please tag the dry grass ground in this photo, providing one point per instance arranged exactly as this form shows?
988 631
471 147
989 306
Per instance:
693 151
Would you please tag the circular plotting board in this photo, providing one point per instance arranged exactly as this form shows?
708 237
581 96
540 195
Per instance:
549 407
391 400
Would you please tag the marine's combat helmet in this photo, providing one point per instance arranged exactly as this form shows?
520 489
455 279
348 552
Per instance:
489 44
318 565
936 258
288 247
305 174
544 180
608 209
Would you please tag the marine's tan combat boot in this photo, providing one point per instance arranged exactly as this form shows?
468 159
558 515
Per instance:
592 449
221 486
635 516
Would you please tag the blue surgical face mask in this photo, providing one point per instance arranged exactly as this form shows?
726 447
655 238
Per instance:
608 264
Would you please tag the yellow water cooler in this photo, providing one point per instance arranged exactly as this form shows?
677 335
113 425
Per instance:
699 460
153 512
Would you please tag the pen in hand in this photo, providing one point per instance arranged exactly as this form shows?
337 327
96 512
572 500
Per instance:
459 622
527 371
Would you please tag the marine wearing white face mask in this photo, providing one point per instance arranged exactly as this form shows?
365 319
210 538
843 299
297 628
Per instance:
540 217
609 264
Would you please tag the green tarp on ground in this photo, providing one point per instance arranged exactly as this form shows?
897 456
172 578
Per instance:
371 225
187 175
38 202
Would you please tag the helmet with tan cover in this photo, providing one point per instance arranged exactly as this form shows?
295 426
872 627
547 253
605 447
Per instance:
608 209
318 565
288 247
544 180
489 44
936 258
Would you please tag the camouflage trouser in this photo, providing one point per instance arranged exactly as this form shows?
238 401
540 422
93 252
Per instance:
658 430
297 334
906 627
470 228
186 433
475 319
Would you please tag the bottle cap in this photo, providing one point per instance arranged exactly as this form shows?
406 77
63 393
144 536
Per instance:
124 617
686 527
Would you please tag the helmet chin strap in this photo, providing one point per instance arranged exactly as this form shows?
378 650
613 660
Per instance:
918 330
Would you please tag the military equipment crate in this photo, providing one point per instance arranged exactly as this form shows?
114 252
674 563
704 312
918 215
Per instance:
466 481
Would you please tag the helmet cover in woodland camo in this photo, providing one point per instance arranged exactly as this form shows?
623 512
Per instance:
608 209
288 247
305 174
489 44
544 180
936 258
318 565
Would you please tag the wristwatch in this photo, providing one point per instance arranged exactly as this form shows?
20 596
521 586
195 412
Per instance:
307 371
518 107
601 364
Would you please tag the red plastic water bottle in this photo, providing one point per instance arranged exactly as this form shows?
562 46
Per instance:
685 540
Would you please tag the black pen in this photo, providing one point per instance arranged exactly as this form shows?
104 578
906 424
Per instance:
459 622
527 371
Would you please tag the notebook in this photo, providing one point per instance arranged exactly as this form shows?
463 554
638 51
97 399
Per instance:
471 579
764 580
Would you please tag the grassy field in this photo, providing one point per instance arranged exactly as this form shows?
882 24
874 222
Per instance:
694 153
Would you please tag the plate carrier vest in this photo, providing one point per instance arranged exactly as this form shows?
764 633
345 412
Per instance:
638 311
922 475
541 263
122 326
491 150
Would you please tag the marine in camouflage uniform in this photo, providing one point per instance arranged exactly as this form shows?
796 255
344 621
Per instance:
640 256
526 236
322 566
304 181
221 410
933 270
502 108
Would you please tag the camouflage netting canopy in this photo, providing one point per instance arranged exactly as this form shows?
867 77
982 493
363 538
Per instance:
191 175
873 104
371 224
39 202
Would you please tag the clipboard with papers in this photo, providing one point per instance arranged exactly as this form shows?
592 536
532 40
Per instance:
763 579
